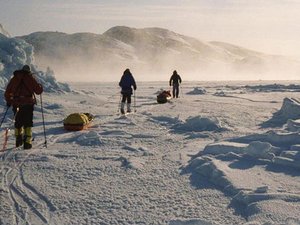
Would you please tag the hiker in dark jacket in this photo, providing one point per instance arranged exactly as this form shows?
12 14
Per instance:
126 83
175 80
19 94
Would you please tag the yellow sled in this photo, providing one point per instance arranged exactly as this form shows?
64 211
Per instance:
78 121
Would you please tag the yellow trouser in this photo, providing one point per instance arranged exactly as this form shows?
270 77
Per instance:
28 135
18 131
19 136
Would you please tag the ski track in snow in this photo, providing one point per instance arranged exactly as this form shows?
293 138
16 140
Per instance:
27 204
125 170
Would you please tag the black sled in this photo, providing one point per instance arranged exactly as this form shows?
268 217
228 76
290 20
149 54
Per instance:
163 97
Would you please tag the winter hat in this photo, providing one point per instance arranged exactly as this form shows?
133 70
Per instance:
26 68
127 71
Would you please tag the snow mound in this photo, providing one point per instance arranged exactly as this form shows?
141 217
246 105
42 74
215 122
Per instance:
274 88
14 53
247 188
220 94
255 149
290 162
293 125
197 91
224 148
276 138
165 120
261 150
91 138
86 138
198 124
290 109
291 154
287 142
239 166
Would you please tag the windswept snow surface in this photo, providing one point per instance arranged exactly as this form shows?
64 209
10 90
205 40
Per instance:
199 159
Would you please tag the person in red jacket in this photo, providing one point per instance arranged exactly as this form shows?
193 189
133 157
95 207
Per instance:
19 94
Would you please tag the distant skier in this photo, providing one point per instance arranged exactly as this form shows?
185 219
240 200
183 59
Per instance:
175 80
126 83
19 94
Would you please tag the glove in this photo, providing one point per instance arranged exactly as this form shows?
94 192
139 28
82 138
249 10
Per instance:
134 88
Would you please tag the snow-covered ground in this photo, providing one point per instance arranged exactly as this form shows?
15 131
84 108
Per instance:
223 153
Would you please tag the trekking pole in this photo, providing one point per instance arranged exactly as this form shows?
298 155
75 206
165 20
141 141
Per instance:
8 129
119 105
7 107
180 91
45 143
134 101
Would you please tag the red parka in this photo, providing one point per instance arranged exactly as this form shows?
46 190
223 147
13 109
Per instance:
21 89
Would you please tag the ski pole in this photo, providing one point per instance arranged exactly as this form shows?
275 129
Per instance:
134 101
8 128
45 143
119 105
180 91
7 107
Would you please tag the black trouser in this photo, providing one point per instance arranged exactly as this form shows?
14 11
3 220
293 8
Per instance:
175 90
24 117
126 97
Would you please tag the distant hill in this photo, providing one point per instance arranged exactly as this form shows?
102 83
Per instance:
150 53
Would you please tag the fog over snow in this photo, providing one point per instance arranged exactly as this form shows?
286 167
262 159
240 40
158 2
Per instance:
152 54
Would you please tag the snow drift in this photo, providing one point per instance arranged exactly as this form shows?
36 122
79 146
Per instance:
290 110
276 151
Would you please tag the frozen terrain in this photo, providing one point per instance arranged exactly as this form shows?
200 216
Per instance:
14 54
223 153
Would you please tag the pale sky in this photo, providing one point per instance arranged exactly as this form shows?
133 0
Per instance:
270 26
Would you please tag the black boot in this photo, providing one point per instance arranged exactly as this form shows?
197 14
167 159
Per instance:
122 107
27 145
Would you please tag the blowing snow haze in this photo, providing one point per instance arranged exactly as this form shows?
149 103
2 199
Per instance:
14 53
152 54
